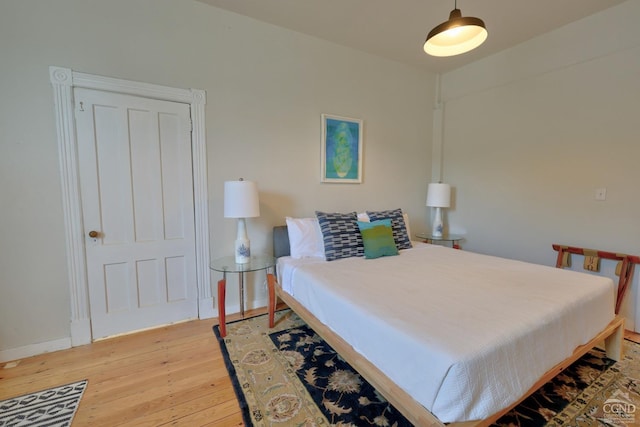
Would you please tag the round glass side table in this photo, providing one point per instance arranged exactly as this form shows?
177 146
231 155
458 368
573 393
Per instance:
453 239
228 265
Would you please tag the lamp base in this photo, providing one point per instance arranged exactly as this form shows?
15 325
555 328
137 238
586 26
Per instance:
436 231
243 251
242 247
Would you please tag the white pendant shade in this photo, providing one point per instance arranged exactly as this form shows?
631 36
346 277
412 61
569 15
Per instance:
241 199
455 36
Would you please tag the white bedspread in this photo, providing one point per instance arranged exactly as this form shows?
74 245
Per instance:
464 334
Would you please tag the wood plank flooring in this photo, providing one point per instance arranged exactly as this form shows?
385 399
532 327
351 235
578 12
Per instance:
170 376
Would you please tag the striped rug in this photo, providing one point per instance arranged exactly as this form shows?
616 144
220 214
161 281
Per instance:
54 407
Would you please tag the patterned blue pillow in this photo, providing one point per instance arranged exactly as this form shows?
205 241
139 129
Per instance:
341 235
400 235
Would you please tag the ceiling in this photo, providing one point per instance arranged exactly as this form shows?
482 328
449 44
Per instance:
396 29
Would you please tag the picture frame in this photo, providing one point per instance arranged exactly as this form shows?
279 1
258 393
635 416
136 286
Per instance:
341 150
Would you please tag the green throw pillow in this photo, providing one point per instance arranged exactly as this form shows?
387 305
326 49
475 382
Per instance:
377 237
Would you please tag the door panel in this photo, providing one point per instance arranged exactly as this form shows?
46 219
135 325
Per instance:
116 283
146 172
176 274
137 192
172 188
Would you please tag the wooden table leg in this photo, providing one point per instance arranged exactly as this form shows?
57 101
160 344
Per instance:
222 287
271 283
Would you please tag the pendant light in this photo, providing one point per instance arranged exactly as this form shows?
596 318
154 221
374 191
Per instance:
455 36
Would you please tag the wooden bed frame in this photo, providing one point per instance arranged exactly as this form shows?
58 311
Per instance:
417 414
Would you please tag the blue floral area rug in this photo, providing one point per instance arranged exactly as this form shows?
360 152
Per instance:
593 392
289 376
344 398
54 407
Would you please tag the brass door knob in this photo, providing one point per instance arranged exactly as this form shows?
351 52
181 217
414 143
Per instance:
93 234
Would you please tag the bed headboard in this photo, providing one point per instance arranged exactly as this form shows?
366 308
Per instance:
281 241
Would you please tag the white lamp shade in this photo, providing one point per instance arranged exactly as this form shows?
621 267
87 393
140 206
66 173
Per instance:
439 195
241 199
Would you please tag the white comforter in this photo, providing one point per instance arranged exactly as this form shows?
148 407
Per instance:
464 334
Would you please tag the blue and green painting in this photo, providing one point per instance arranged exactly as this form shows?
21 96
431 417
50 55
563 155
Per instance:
341 149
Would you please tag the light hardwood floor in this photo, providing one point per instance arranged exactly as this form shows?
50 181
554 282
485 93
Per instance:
170 376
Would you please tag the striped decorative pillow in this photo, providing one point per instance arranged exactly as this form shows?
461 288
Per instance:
341 235
400 235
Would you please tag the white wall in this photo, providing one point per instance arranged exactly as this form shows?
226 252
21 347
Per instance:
266 88
531 132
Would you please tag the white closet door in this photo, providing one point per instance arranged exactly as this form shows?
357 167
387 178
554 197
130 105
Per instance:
137 200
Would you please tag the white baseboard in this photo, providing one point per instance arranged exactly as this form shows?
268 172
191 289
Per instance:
34 349
261 302
206 309
82 331
249 305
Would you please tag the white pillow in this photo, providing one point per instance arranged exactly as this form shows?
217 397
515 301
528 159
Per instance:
305 237
362 216
406 224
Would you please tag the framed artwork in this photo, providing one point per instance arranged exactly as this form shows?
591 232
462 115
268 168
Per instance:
341 150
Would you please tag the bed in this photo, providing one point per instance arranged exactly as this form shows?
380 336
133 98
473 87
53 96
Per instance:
474 334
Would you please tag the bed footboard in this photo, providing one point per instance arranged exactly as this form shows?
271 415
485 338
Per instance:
612 336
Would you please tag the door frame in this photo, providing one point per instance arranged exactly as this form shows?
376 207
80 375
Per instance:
64 80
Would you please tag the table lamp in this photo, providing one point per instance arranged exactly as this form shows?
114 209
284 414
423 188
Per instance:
241 201
438 196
